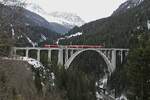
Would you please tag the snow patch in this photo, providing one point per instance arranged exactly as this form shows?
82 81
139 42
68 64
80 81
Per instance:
70 36
136 2
98 96
122 97
34 62
19 37
12 31
74 35
53 75
31 61
57 42
102 82
101 86
43 37
141 1
27 24
148 24
31 42
138 27
128 7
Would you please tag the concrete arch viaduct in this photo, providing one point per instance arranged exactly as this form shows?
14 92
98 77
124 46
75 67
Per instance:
108 54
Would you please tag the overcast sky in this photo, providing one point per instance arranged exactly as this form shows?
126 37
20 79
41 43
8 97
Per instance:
88 10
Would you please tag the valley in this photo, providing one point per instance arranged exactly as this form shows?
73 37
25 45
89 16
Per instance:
58 56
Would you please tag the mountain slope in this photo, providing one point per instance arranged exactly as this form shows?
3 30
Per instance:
127 5
61 22
116 30
27 28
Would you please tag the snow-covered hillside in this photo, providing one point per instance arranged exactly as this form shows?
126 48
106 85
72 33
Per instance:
65 19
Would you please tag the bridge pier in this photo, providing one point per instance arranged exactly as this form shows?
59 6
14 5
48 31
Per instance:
105 52
27 53
38 54
49 55
14 51
66 55
60 57
71 52
113 59
121 56
108 54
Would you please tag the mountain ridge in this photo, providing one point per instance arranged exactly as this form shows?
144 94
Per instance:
62 19
26 28
114 30
127 5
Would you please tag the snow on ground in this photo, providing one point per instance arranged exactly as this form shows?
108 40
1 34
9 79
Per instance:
74 35
43 37
70 36
52 78
138 27
53 75
31 61
12 30
34 62
31 42
148 24
104 82
57 42
98 96
122 97
128 7
101 84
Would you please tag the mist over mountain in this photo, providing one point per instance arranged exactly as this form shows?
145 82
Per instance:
61 22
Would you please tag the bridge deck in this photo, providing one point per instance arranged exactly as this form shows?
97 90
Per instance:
64 47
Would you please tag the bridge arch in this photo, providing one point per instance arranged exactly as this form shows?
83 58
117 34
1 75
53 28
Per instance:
107 61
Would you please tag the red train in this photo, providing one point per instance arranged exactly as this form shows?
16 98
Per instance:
73 46
51 46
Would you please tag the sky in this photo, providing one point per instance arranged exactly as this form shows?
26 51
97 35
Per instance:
88 10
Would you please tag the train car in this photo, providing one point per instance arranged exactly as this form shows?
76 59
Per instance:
73 46
85 46
51 46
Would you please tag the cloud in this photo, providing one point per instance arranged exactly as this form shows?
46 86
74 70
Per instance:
87 9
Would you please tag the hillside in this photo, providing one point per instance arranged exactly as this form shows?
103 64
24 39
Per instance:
115 30
16 81
25 27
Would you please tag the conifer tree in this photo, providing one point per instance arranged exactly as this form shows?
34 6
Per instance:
138 71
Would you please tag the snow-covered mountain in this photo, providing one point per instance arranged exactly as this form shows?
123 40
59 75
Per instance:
127 5
66 19
62 22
